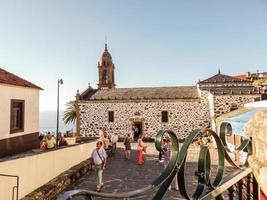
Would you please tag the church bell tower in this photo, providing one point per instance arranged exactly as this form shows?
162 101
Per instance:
106 71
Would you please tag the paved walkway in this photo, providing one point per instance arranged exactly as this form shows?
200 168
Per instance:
125 175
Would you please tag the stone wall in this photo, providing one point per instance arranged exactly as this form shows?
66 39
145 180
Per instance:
184 116
257 128
223 103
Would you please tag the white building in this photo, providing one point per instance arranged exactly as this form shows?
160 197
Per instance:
19 114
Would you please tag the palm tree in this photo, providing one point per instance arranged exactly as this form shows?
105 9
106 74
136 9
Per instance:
70 113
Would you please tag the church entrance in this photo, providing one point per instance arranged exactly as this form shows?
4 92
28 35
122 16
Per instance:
137 127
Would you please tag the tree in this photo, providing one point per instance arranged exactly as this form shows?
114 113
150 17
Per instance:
70 113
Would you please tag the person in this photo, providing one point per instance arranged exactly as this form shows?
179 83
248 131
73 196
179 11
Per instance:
99 160
50 141
114 139
136 133
101 132
141 148
167 157
41 137
105 140
162 153
133 136
43 145
62 141
127 145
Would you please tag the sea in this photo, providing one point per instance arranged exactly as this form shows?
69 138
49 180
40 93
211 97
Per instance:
48 122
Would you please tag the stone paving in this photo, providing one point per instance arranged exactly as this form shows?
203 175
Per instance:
125 175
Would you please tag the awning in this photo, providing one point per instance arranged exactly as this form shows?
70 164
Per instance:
238 119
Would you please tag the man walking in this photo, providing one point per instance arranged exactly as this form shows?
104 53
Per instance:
99 159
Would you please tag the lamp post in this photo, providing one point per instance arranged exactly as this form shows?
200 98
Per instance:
59 81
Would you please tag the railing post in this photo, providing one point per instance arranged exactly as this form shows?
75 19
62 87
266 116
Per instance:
240 189
231 191
249 181
255 189
220 197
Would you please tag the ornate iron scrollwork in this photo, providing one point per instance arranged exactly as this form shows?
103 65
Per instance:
226 130
204 162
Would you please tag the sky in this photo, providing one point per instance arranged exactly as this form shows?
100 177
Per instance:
152 42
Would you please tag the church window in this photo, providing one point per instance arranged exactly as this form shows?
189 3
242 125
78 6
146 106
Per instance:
164 116
110 116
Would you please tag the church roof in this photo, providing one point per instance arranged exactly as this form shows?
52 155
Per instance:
11 79
222 78
185 92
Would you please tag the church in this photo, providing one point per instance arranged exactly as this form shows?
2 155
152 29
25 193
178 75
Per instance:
180 108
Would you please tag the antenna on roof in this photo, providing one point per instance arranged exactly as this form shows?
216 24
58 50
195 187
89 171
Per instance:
219 71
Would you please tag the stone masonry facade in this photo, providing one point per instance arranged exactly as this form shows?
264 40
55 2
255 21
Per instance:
224 103
183 117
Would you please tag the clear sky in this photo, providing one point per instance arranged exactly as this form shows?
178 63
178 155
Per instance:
153 42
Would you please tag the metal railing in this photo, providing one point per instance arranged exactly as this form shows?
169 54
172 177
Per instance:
208 187
16 187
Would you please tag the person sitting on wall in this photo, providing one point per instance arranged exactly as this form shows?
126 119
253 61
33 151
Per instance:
50 141
43 145
41 137
62 141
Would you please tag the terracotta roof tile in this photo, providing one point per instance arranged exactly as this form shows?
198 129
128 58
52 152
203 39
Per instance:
11 79
241 76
